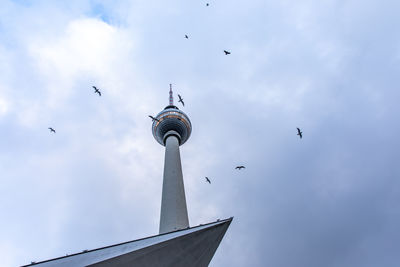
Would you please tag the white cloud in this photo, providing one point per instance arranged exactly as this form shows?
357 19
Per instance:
4 106
86 48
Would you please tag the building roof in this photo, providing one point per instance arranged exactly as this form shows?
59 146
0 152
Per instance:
193 246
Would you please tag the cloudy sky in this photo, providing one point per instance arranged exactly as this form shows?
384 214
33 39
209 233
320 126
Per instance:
328 67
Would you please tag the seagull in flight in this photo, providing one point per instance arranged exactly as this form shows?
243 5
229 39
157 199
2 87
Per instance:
96 90
52 130
227 52
240 167
187 37
181 100
208 180
154 119
299 133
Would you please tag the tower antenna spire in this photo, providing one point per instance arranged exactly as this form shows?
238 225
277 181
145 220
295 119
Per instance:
171 97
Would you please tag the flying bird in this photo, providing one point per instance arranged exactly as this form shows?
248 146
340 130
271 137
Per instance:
187 37
207 4
154 119
299 133
208 180
240 167
227 52
52 130
96 90
181 100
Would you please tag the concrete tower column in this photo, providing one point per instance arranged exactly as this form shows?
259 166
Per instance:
174 215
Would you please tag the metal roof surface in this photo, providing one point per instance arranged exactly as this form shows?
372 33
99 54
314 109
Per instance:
102 254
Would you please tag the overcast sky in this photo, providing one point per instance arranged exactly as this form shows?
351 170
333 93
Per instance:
329 67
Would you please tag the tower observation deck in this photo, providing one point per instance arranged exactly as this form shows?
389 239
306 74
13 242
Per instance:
171 129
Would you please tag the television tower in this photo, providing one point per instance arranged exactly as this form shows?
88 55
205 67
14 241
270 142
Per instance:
172 129
177 245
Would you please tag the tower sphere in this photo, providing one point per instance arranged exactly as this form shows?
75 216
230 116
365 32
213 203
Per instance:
171 121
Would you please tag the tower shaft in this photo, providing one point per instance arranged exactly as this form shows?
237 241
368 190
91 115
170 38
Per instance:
174 215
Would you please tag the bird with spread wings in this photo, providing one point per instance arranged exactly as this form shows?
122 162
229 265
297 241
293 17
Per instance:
299 133
181 100
96 91
154 119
